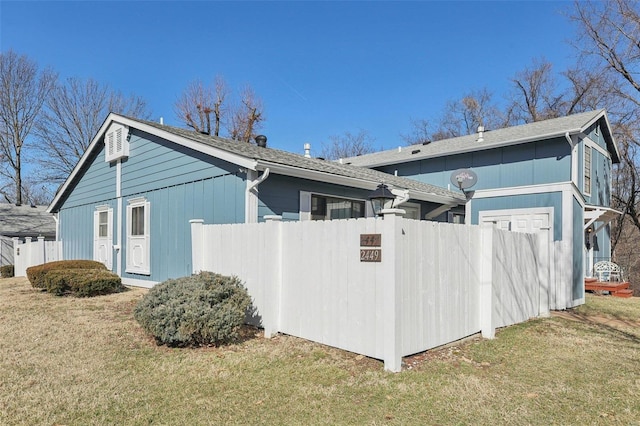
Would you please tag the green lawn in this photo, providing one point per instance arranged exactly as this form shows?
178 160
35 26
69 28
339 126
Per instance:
67 361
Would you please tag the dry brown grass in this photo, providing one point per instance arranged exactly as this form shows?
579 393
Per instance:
85 361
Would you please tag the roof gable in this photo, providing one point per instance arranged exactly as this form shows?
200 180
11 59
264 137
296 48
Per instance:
254 157
540 130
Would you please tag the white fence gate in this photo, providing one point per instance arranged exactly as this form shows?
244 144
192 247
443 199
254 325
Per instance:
31 253
429 283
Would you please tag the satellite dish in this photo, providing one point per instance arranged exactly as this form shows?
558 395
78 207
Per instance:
464 178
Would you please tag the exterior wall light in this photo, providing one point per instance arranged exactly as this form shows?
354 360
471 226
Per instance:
379 198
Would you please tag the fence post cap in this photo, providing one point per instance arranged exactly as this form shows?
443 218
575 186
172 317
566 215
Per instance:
393 212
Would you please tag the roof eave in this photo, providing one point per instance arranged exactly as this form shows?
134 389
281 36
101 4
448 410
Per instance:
472 148
353 182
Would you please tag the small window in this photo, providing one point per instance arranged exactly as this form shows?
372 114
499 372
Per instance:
329 208
587 169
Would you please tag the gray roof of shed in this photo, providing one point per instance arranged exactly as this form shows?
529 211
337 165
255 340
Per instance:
540 130
26 221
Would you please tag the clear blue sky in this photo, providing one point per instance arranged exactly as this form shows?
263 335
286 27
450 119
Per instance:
321 68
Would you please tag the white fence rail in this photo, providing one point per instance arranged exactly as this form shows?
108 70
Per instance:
31 253
435 283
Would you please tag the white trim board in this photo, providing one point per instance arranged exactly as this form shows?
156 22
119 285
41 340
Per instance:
138 283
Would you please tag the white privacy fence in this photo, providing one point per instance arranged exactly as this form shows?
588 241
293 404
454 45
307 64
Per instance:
384 288
31 253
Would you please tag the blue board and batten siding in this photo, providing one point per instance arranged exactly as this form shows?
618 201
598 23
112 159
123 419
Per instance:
179 183
519 165
280 195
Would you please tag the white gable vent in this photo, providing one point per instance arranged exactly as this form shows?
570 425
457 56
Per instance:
116 142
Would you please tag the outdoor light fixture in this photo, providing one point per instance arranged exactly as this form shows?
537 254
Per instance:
379 198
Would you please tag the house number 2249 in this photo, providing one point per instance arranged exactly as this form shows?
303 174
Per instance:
370 255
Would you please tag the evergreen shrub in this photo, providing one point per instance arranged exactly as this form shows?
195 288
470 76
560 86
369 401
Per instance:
7 271
82 282
204 309
37 274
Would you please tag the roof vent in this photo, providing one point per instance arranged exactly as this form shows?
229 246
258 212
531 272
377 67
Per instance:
261 141
307 150
415 151
426 142
480 134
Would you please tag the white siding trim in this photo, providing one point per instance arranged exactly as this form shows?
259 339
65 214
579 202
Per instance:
523 190
305 205
588 142
138 283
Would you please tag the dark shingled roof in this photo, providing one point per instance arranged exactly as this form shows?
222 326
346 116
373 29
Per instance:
289 159
556 127
26 221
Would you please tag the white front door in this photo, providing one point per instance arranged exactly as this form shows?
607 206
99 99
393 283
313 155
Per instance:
103 236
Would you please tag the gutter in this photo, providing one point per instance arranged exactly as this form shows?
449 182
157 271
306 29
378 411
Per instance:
356 182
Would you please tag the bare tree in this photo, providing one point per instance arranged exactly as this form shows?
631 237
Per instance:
200 104
535 95
195 106
460 117
23 91
72 117
420 132
348 145
247 116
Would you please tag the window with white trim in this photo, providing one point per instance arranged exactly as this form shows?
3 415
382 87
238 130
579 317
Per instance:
587 169
328 208
138 237
103 235
116 142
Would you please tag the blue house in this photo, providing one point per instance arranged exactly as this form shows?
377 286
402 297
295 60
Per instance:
551 176
129 199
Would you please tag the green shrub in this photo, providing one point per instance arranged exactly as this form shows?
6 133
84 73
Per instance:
82 282
36 274
204 309
7 271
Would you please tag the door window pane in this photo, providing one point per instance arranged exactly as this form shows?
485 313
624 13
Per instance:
137 221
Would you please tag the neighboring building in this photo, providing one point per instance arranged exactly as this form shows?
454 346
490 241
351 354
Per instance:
129 200
551 176
23 222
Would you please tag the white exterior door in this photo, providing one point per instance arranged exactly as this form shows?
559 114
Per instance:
103 236
535 221
138 237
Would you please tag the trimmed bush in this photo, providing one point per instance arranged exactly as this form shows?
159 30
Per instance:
204 309
36 274
82 282
7 271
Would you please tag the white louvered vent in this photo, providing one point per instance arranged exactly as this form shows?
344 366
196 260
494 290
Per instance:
117 145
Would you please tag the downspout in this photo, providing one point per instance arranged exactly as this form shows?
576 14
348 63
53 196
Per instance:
258 181
251 198
400 199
